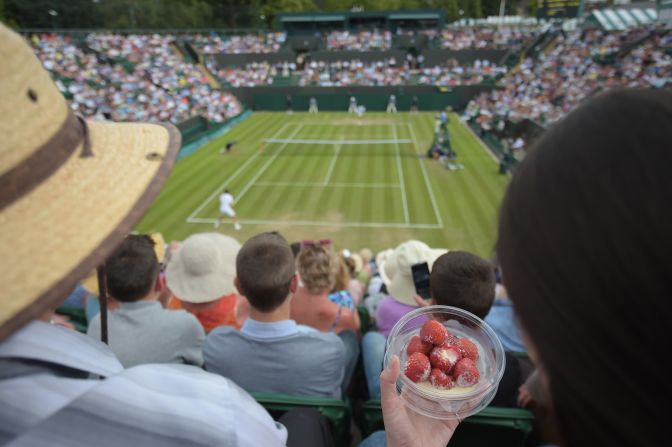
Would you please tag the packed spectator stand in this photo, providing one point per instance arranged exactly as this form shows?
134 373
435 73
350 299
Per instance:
132 78
574 66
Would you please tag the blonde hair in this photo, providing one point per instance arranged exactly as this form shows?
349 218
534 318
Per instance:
366 255
343 276
318 268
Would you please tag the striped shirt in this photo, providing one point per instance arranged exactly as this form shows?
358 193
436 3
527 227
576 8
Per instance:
48 396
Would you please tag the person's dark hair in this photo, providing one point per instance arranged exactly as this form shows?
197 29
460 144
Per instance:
265 268
584 239
296 248
132 269
463 280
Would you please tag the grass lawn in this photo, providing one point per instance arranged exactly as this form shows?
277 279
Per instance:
360 182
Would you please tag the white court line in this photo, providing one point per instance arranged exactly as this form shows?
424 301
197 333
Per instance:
337 149
221 188
426 177
266 165
316 223
331 185
333 142
400 169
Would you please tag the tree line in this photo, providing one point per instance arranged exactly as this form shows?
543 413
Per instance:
230 14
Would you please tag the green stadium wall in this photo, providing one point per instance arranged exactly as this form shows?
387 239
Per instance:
373 98
432 57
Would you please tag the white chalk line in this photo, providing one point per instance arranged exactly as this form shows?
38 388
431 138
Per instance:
319 223
221 187
400 170
426 177
334 142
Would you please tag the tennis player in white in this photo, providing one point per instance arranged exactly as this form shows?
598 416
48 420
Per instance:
226 208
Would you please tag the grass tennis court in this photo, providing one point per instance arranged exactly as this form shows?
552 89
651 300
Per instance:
361 182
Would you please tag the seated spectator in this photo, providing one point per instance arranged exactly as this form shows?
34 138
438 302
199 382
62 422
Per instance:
466 281
340 292
353 262
141 330
502 320
395 271
367 270
318 266
397 275
271 353
200 276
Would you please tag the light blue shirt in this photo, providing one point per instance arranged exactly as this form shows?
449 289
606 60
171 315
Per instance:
502 320
276 329
279 357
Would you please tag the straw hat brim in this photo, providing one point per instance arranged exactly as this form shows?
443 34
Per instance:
55 234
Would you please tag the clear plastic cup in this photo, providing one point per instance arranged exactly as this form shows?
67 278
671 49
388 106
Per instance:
457 403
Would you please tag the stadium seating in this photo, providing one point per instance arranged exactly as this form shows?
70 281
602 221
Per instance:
338 412
503 427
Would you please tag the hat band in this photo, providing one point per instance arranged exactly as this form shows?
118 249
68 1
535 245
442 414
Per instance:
43 162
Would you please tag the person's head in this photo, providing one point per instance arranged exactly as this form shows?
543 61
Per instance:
398 268
343 276
54 163
318 267
201 271
132 269
463 280
584 239
296 248
366 255
226 191
265 271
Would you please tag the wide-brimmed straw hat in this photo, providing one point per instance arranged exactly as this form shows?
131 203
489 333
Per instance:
70 190
204 267
401 286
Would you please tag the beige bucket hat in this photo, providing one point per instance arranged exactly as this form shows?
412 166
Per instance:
401 286
204 267
70 190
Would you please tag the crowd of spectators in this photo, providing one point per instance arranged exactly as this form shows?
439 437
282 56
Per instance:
546 89
250 43
358 72
484 38
372 40
131 78
359 41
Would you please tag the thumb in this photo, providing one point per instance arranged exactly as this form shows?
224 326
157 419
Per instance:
388 382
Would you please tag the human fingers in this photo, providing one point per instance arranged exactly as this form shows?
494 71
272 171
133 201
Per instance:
388 381
420 301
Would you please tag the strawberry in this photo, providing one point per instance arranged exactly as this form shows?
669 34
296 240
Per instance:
417 367
444 358
440 380
467 348
417 345
433 332
465 373
450 340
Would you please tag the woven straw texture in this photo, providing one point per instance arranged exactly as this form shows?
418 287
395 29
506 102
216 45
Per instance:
48 233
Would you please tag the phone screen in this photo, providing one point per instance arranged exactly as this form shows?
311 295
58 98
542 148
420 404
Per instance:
421 279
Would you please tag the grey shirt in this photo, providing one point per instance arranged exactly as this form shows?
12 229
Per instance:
145 332
280 357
